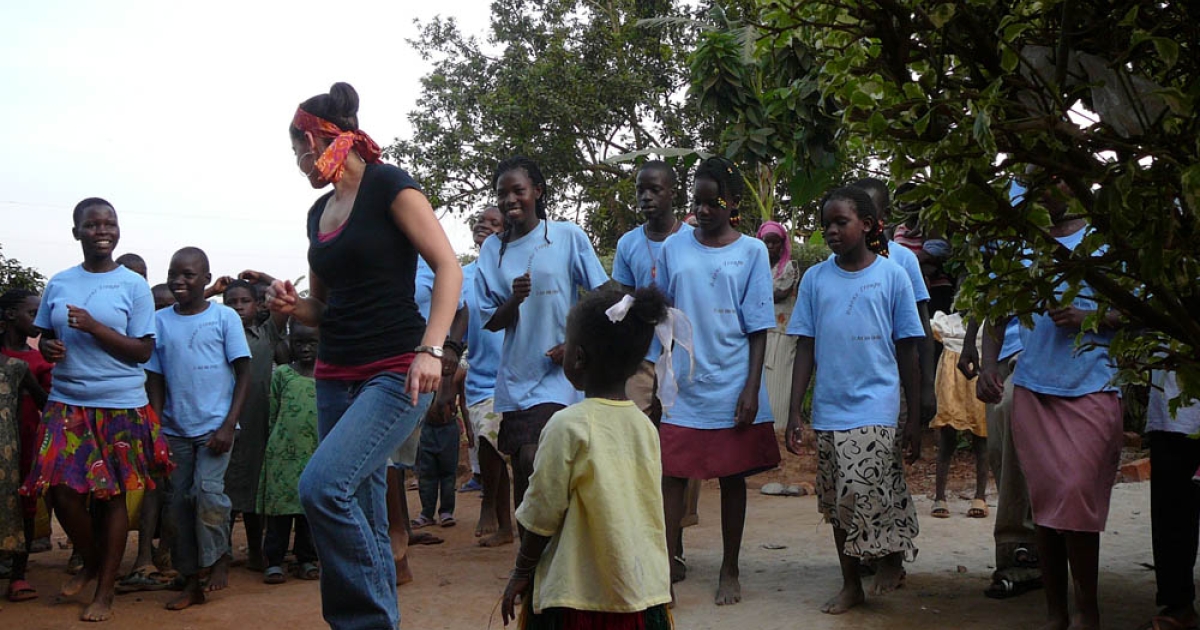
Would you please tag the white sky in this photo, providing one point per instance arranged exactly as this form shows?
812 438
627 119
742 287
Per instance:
177 113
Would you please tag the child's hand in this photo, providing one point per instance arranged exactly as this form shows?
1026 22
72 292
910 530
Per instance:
53 350
222 439
282 297
255 277
220 285
1069 317
522 286
928 404
793 435
968 362
556 353
81 320
990 387
747 407
518 587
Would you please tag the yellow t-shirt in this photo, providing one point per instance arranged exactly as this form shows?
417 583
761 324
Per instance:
596 491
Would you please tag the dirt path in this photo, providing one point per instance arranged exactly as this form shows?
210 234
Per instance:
458 585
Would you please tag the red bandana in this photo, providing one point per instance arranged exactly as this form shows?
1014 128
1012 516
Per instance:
332 162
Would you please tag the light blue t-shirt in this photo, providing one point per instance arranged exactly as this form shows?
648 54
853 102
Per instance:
636 265
907 260
558 269
195 355
1012 339
1051 364
423 289
483 346
855 319
88 376
1158 412
727 293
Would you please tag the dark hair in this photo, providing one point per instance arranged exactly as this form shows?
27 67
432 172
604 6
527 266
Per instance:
727 177
878 190
535 175
77 214
866 210
194 252
617 348
660 166
12 298
161 287
339 106
241 284
131 258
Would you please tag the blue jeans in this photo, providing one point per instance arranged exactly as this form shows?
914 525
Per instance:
343 491
199 507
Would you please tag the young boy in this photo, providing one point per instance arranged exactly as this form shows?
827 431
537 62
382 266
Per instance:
199 375
437 453
246 459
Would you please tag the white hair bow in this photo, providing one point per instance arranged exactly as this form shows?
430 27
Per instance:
675 329
617 312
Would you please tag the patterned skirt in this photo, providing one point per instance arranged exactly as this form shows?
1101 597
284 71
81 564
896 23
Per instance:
861 490
102 452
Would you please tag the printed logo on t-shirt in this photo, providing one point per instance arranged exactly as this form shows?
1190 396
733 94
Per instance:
861 290
98 289
199 328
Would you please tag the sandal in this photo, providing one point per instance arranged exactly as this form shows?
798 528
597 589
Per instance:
422 522
1005 589
447 520
979 509
308 571
941 509
21 591
274 575
1025 558
425 538
145 578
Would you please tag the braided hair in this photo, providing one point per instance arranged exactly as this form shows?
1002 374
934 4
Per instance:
730 185
881 197
535 175
866 210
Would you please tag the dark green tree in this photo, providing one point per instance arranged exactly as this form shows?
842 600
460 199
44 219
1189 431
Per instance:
568 83
14 275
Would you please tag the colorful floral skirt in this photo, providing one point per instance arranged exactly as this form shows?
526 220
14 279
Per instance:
102 452
654 618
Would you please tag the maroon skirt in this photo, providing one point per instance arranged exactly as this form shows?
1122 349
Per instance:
715 453
524 427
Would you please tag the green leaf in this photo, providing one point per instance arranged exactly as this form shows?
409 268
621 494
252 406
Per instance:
941 14
1009 59
1168 50
877 123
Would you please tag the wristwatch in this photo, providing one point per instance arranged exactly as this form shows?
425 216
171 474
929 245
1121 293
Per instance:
436 351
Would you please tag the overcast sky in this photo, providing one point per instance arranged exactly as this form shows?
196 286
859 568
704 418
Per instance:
177 113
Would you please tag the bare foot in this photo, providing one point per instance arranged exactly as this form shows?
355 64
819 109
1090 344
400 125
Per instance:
487 523
192 595
889 575
98 610
497 539
849 597
729 589
218 580
73 586
678 570
404 573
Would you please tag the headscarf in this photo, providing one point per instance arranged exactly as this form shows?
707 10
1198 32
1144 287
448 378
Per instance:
332 162
773 227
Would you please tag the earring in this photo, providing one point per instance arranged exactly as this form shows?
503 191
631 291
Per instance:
735 219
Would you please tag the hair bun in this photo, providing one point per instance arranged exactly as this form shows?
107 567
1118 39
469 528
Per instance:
344 101
649 305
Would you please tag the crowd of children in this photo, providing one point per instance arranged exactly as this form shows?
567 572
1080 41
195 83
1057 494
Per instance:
606 399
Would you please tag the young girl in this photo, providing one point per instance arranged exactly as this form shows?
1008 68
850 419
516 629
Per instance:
97 440
856 315
292 440
18 308
596 485
437 453
720 424
526 281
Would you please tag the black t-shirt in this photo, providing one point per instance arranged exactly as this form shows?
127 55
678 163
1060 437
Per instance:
369 270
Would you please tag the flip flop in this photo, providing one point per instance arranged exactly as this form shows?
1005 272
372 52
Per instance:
979 509
425 538
447 520
308 571
422 522
941 509
1006 589
1025 558
274 575
146 578
21 591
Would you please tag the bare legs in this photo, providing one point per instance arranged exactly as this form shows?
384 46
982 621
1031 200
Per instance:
495 511
852 593
733 524
1080 551
947 444
398 524
102 552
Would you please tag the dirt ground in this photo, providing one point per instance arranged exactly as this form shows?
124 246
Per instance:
458 586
